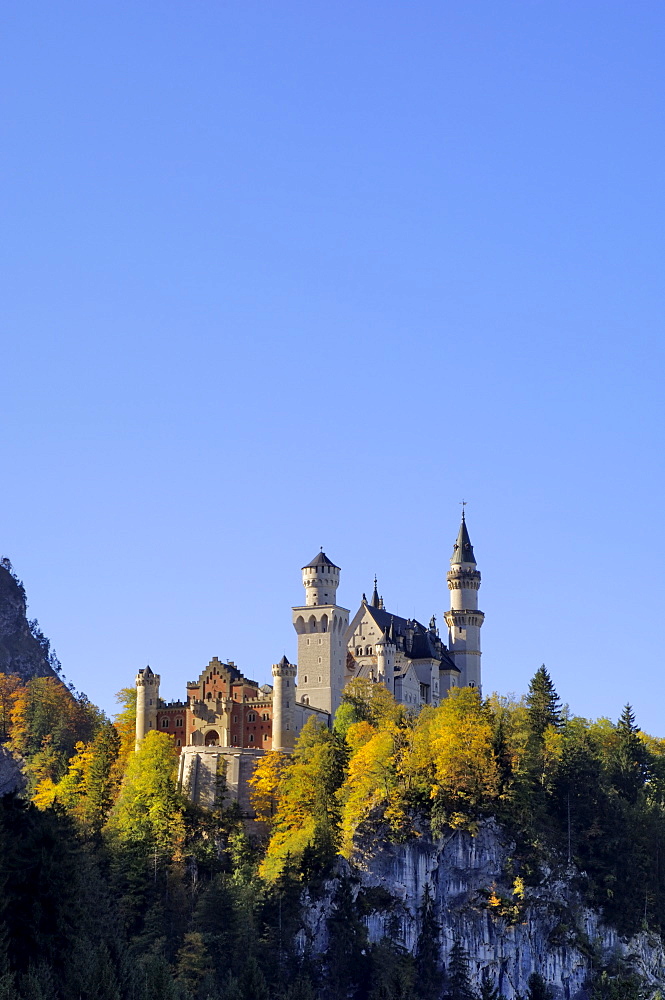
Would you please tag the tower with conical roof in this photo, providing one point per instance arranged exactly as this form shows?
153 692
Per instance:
283 704
464 620
320 624
147 700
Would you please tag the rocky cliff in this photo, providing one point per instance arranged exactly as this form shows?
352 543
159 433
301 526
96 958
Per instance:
507 930
23 649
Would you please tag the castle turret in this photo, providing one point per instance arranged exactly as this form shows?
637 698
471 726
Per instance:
283 702
385 661
147 699
320 578
321 625
464 620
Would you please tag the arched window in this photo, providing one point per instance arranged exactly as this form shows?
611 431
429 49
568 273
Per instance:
251 737
312 623
178 724
300 624
251 716
165 723
324 623
368 650
212 739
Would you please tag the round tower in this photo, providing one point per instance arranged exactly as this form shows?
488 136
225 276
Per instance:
385 661
147 699
320 579
464 620
283 703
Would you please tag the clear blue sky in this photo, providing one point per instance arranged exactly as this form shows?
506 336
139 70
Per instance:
283 275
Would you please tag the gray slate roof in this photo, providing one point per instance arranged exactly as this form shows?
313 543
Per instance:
320 560
422 647
463 549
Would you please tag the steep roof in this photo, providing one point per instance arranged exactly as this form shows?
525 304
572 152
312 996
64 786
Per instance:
422 647
320 560
463 549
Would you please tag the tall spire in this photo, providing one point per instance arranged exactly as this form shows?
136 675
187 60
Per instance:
463 549
376 600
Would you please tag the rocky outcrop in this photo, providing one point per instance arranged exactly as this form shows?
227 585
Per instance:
506 930
12 778
23 650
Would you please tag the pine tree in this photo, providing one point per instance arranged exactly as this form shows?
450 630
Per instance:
428 976
543 703
537 988
458 985
488 991
632 757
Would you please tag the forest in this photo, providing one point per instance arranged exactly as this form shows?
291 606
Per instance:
113 886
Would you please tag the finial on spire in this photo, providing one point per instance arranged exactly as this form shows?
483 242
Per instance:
463 504
376 600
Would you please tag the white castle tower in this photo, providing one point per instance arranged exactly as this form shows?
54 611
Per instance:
147 699
385 661
283 703
464 620
321 625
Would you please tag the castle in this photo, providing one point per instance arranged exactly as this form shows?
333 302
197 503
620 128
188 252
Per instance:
228 721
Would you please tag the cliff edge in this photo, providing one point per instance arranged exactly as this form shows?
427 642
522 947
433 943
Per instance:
23 649
507 930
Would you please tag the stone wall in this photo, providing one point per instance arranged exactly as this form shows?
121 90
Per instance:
215 776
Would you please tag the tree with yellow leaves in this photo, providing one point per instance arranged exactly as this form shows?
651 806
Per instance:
306 824
265 783
10 685
451 758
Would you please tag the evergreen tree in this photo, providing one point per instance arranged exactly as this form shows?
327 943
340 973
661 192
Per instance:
428 975
631 766
457 983
544 707
348 964
537 988
488 991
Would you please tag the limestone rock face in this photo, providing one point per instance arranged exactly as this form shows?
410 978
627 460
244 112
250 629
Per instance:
20 651
472 882
12 778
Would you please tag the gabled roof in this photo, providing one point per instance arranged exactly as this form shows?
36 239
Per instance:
320 560
463 549
422 646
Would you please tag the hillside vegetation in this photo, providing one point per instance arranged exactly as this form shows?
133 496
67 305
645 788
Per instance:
113 886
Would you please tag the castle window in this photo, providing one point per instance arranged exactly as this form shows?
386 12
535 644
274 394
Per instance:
178 722
251 717
471 684
359 651
368 650
287 704
319 659
251 737
178 743
320 678
265 736
165 723
304 680
235 718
